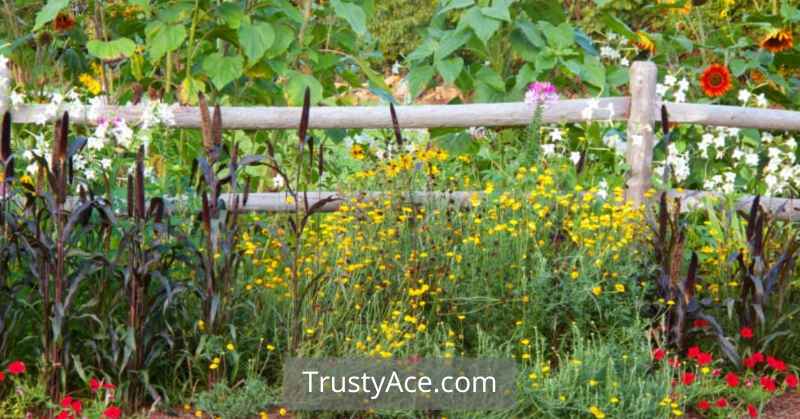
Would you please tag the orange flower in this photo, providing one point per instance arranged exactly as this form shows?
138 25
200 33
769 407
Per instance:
778 40
716 80
63 22
643 42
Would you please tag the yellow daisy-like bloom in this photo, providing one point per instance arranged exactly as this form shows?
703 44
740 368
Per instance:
645 43
596 412
90 83
778 40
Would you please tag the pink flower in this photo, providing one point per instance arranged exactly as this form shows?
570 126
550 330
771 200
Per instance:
16 368
541 94
746 333
791 381
112 412
768 383
732 380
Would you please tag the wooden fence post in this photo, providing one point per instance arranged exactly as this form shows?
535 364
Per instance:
643 79
5 85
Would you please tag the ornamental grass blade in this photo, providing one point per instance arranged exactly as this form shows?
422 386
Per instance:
304 116
130 195
396 125
205 123
5 147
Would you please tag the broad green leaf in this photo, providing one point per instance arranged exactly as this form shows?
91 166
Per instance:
162 38
498 10
425 50
617 26
738 67
458 143
617 77
190 90
559 37
454 4
531 32
490 77
223 70
450 42
232 14
450 68
111 50
418 79
594 71
585 42
525 76
255 39
545 61
353 14
49 12
483 26
296 87
284 35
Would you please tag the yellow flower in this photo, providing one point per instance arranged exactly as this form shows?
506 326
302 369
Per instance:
282 411
198 413
574 275
230 347
644 42
357 152
90 83
619 287
597 291
594 410
270 347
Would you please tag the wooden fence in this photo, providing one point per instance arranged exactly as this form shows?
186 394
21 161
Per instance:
640 110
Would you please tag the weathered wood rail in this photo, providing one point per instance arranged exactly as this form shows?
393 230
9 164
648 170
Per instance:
640 110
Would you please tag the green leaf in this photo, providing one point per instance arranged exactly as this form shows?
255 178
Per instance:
617 77
232 14
284 35
738 67
458 143
353 14
483 26
111 50
450 42
594 72
545 61
498 10
490 77
49 12
256 39
558 37
531 33
450 68
296 87
162 38
617 26
190 90
425 50
454 4
223 70
418 79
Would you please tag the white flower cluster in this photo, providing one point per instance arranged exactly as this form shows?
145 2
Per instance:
615 142
745 97
387 149
781 172
677 162
718 139
672 88
612 50
724 183
555 137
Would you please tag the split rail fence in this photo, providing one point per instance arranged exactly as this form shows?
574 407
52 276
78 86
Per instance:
640 110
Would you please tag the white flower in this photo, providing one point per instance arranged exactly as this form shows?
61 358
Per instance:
556 135
679 96
670 80
683 85
396 68
548 149
122 132
575 157
17 99
602 190
477 132
40 118
3 61
744 96
90 174
588 111
761 101
751 159
624 62
32 168
278 182
661 90
105 164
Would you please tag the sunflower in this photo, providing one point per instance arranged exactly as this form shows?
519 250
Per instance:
643 42
716 80
778 40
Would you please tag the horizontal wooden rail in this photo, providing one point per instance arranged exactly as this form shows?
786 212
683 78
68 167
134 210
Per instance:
449 116
780 208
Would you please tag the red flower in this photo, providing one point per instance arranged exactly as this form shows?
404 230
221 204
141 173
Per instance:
700 323
753 360
66 402
721 403
732 379
746 333
703 405
704 358
659 353
674 362
109 386
65 415
2 376
791 381
776 364
759 357
94 384
716 80
752 411
687 379
76 406
693 352
768 383
16 368
112 412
